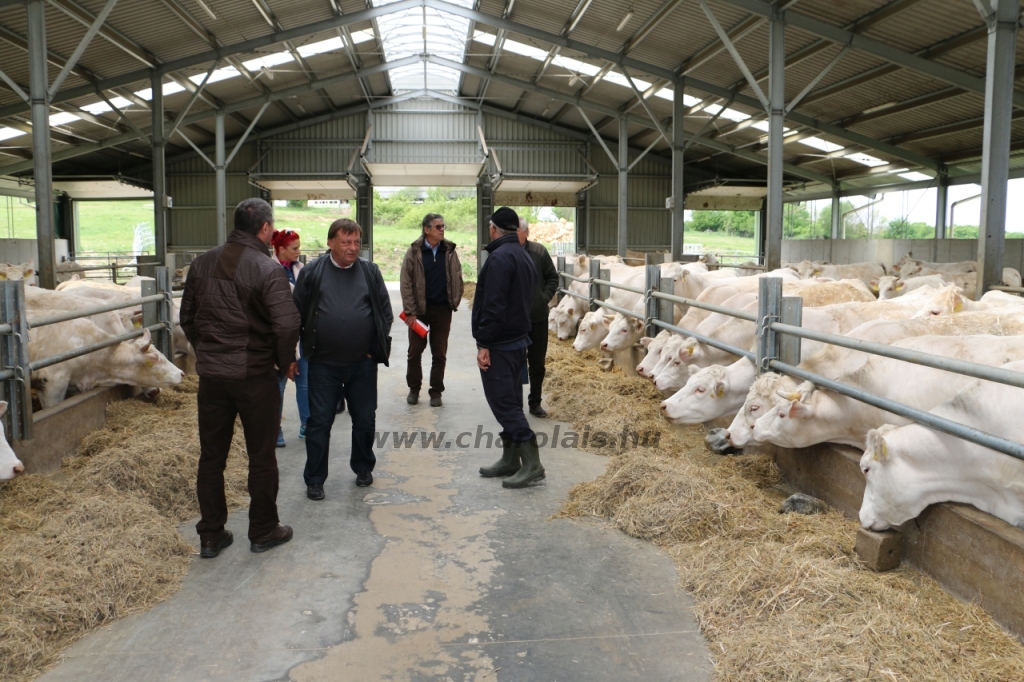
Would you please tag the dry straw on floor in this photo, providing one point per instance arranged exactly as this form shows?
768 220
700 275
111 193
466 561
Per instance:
779 597
98 540
468 292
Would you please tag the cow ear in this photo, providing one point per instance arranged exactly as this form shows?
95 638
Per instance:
876 445
800 410
3 407
28 272
958 303
572 311
874 285
693 369
900 285
719 388
638 324
607 321
3 275
646 341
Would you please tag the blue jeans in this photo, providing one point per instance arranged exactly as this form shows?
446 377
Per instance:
301 391
327 384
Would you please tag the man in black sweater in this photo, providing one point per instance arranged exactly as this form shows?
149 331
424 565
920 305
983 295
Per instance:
543 291
501 327
346 319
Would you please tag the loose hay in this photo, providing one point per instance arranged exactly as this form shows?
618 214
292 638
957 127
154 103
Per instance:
468 292
779 596
98 539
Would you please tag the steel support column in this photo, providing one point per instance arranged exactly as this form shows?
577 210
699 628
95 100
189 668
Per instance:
159 170
678 186
484 208
776 120
941 209
38 92
623 202
222 186
364 212
995 162
837 220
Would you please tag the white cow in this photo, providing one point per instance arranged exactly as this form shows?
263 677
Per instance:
909 467
135 363
592 331
10 465
892 286
654 347
759 400
865 272
908 266
22 271
950 300
808 415
710 392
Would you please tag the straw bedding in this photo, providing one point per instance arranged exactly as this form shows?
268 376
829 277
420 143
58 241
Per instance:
98 540
779 596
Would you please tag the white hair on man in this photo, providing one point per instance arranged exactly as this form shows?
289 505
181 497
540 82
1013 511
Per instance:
523 224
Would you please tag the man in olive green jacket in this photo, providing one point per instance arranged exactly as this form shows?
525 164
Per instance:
431 284
547 285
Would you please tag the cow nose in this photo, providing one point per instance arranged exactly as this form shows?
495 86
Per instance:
726 436
664 407
19 468
604 346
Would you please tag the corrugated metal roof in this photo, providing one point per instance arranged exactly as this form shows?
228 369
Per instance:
158 34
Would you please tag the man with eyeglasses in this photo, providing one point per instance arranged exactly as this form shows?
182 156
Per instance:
431 285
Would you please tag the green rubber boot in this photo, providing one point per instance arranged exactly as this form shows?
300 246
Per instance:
506 466
531 470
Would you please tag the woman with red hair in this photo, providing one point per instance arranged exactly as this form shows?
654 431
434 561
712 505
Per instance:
286 252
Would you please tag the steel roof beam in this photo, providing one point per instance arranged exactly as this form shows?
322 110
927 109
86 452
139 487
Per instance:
226 109
710 88
877 48
227 51
609 111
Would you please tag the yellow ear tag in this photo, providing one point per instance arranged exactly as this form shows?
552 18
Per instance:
689 351
721 392
958 307
149 363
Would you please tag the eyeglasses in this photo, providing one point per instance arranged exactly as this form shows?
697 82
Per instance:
438 227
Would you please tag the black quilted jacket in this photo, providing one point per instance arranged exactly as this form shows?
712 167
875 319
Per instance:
237 311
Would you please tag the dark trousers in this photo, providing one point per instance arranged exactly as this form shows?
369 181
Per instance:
357 383
257 400
503 389
535 356
440 320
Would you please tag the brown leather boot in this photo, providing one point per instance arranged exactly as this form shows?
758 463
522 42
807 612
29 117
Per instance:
278 536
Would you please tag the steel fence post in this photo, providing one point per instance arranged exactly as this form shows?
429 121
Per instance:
769 310
666 309
651 303
792 314
562 282
595 293
165 338
605 291
14 357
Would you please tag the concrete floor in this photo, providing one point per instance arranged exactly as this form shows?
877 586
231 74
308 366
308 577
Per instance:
432 574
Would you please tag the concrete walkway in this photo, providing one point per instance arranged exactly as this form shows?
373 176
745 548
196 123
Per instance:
432 574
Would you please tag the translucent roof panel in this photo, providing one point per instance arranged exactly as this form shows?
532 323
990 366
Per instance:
424 31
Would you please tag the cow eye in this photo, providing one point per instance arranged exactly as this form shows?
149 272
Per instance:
700 389
866 470
755 408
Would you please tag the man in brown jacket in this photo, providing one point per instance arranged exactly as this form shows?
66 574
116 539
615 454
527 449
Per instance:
431 283
238 314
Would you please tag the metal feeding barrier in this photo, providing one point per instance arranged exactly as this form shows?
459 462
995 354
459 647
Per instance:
778 338
16 325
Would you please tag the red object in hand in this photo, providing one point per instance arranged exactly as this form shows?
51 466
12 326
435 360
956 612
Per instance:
417 326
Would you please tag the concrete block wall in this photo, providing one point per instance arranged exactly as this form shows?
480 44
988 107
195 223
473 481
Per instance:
888 251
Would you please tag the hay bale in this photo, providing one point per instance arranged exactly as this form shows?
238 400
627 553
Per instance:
780 596
98 540
468 292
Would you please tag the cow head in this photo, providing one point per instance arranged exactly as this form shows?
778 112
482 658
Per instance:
700 400
759 400
591 332
10 465
623 332
565 321
143 365
889 497
949 300
786 423
676 372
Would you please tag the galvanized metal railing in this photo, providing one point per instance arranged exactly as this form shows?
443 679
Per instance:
778 338
16 367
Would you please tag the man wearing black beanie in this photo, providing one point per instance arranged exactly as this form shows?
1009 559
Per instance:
501 327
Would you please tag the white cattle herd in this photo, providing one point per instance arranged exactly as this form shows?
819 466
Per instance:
134 363
927 307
